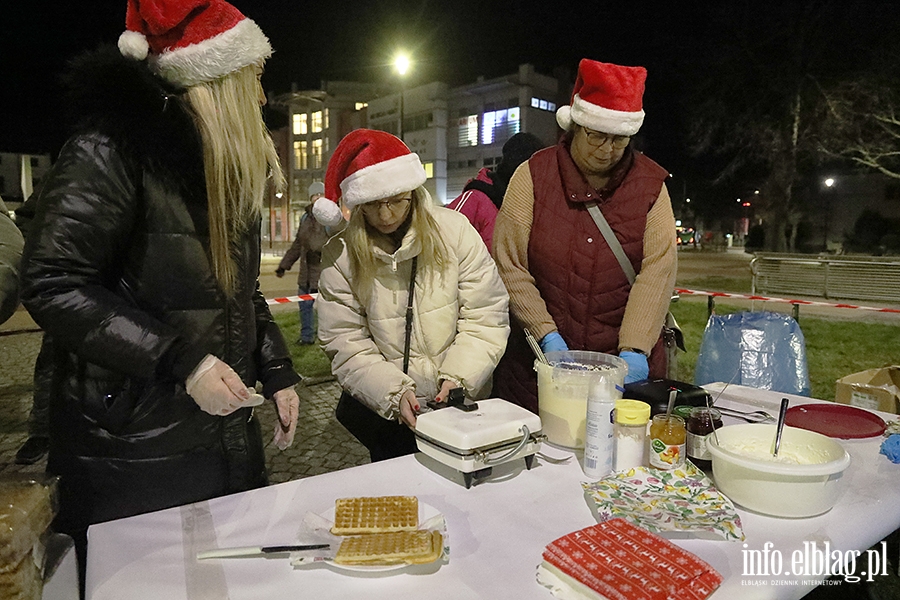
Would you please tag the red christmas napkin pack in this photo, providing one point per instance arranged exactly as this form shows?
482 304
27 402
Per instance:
616 560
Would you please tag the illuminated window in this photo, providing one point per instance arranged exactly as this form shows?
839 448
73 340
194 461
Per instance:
326 119
542 104
468 131
316 122
300 155
361 105
429 170
316 154
499 125
299 123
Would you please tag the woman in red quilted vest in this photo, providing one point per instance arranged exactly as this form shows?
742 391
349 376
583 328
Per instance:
566 285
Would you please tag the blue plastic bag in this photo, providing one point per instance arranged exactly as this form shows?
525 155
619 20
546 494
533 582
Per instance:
763 350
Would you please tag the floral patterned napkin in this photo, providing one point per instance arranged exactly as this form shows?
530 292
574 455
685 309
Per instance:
681 500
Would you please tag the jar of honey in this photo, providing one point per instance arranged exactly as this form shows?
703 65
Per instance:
667 442
701 423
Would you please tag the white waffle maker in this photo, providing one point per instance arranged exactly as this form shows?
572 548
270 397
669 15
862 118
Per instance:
472 438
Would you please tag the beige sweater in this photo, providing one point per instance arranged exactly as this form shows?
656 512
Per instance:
649 298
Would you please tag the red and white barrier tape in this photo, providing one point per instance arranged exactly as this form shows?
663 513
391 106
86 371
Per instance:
304 297
787 300
289 299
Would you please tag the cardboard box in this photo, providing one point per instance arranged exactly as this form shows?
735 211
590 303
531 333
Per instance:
875 389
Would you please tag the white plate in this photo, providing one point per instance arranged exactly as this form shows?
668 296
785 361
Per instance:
426 512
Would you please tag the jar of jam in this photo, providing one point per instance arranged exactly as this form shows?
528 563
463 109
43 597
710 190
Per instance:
667 442
701 423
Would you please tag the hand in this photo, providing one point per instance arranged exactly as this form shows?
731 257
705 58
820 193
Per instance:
216 388
279 272
409 406
638 369
553 342
288 404
446 386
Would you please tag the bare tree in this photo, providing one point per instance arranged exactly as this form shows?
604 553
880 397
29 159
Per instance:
760 103
864 118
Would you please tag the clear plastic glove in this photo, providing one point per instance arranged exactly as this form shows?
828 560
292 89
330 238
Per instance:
553 342
217 389
638 369
288 404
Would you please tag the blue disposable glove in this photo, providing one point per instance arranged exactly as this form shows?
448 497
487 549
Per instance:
638 369
553 342
891 448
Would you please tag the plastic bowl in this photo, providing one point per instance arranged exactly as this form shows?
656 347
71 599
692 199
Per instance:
778 489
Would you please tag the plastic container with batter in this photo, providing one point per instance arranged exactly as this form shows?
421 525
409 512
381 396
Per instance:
563 387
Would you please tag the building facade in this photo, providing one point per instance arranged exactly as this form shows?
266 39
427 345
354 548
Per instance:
455 131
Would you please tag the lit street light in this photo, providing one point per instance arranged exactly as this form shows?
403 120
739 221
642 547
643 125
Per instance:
402 65
829 184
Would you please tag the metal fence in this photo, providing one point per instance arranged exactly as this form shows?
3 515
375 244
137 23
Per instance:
845 277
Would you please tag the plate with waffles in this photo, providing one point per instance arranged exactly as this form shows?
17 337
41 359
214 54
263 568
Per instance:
385 533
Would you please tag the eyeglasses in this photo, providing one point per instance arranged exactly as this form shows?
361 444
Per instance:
597 139
395 205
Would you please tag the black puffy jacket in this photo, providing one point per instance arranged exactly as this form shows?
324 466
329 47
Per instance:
117 269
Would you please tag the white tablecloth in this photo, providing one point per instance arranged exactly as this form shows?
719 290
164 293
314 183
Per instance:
497 531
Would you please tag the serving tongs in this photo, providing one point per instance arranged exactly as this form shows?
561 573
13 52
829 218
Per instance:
755 416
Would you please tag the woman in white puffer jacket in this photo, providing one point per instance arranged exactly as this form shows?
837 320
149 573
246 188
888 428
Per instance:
458 321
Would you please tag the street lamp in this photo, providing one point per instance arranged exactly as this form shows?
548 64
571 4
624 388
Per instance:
402 65
829 184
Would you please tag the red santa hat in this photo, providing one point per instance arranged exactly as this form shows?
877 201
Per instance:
367 165
192 41
606 98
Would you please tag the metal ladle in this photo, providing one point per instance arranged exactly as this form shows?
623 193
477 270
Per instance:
780 427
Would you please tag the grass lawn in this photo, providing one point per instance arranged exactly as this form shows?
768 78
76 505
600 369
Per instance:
309 361
834 348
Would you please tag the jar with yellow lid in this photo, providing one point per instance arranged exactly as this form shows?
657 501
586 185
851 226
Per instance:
632 417
667 442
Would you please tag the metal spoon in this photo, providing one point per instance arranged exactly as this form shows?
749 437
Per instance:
780 427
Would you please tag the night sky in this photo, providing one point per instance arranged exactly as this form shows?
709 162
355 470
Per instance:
450 40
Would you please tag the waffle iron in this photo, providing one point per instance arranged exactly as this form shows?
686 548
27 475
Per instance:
474 437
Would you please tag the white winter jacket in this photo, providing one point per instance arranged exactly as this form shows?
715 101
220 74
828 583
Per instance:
459 328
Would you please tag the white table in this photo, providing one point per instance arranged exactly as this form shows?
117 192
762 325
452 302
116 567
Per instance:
497 531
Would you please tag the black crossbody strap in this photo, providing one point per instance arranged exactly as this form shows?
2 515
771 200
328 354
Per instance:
409 313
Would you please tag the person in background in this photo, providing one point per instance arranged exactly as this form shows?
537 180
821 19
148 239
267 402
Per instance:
410 303
35 447
11 243
143 261
481 197
565 283
307 247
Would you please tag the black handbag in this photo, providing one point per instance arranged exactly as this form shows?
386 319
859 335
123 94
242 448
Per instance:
383 438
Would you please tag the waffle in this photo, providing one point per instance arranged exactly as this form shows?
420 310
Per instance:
410 547
381 514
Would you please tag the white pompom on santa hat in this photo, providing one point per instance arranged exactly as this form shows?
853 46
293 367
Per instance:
192 41
606 98
367 165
